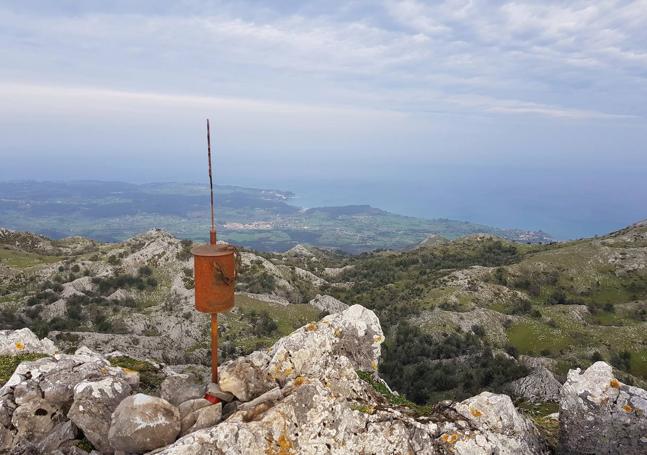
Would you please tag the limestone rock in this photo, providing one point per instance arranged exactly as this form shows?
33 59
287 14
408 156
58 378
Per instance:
539 385
203 417
497 428
216 391
36 419
94 403
598 414
246 377
299 250
119 295
178 388
190 406
318 404
61 437
328 304
355 333
34 401
23 341
142 423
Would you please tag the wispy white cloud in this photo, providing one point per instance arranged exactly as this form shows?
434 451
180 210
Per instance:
571 61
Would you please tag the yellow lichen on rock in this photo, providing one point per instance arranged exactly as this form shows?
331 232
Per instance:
20 345
449 438
283 446
475 412
615 383
311 327
628 409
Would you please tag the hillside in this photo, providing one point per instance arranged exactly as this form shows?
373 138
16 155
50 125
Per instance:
470 305
459 317
254 218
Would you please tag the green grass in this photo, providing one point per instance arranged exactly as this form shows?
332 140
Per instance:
638 364
8 364
393 399
533 337
150 377
537 412
288 318
22 259
609 319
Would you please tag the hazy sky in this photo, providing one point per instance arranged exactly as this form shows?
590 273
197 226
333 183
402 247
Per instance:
381 92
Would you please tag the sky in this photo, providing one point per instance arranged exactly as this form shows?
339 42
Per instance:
529 114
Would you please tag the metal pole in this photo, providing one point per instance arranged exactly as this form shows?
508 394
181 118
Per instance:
212 241
212 233
214 348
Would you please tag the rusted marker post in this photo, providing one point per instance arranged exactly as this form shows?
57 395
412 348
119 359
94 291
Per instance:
214 269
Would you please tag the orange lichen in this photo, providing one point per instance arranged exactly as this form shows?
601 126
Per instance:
299 380
449 438
311 327
285 446
615 383
475 412
628 409
20 345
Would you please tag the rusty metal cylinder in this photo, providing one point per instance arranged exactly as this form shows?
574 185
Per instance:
215 277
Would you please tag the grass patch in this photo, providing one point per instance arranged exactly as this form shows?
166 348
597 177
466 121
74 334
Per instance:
84 444
150 377
638 364
538 412
288 318
393 399
22 259
9 363
533 337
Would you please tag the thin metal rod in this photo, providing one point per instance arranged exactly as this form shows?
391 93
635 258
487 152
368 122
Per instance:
214 348
212 236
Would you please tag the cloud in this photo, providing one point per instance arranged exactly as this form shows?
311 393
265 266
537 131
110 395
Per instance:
568 61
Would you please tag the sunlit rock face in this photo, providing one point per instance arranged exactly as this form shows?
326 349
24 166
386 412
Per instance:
599 414
314 392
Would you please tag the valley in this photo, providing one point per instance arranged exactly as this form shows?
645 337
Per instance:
459 316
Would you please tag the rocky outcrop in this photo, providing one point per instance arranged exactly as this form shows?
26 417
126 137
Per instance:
310 393
600 415
142 423
539 386
24 341
34 402
300 250
328 304
178 388
94 403
304 396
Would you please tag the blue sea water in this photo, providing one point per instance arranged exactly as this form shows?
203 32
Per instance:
566 205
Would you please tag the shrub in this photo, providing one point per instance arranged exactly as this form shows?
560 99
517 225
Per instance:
621 360
596 357
478 330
